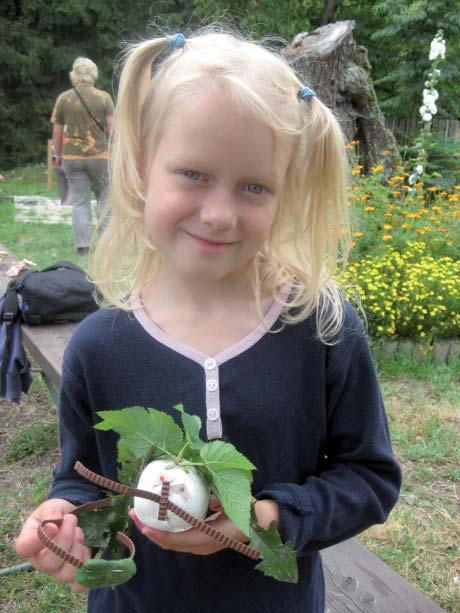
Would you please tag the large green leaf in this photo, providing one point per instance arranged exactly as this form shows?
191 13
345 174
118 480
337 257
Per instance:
220 456
143 431
97 573
234 492
278 559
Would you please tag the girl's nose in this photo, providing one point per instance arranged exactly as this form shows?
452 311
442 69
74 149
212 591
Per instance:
219 210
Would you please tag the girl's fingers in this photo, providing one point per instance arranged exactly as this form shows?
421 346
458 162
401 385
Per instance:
67 572
48 561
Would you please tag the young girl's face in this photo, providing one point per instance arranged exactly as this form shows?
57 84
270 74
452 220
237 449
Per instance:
213 189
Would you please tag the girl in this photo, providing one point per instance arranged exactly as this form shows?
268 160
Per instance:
228 209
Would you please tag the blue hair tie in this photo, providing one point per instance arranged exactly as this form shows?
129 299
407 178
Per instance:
176 41
306 92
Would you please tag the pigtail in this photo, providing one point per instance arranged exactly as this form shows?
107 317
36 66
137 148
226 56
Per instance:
119 258
319 230
135 82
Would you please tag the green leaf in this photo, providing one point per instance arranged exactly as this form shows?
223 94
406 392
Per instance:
219 456
97 573
234 492
143 429
130 466
278 559
192 426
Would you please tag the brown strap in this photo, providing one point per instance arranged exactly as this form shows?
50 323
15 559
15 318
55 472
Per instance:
163 510
65 555
226 540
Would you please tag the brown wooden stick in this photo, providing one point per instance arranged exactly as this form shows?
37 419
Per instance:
226 540
163 509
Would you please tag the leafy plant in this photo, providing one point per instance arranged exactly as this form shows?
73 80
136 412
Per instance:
146 435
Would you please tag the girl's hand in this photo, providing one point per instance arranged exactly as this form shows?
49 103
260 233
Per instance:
193 540
68 536
196 542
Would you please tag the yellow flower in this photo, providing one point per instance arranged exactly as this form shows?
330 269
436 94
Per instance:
396 194
387 237
421 231
378 168
369 208
453 198
436 208
357 234
433 188
387 226
356 170
456 214
405 226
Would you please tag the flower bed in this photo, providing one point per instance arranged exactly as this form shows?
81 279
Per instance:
407 294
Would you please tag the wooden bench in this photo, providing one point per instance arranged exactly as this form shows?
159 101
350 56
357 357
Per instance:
356 579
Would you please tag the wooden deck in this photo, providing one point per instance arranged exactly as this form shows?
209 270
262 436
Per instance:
357 581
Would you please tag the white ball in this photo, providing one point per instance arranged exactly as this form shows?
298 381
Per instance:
187 489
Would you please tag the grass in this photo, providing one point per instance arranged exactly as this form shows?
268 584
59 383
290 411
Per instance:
28 181
421 538
43 244
28 439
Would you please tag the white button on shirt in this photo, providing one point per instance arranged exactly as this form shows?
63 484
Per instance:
213 414
211 385
210 363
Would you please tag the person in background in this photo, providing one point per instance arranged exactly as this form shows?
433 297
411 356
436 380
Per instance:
87 113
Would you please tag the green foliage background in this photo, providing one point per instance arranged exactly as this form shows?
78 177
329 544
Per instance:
39 39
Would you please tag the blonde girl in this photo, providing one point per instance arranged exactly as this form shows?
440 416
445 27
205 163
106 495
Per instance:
228 221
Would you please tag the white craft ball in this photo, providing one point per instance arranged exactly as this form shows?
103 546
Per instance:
188 490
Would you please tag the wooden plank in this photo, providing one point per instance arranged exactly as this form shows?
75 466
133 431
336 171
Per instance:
359 581
47 344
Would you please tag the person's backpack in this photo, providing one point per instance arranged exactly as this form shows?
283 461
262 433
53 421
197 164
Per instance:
60 293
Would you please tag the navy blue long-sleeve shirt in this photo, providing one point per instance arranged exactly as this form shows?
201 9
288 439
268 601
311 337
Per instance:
309 416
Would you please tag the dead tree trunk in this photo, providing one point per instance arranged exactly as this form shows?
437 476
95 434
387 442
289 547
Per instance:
339 71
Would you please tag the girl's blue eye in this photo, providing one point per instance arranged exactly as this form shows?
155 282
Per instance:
192 174
254 188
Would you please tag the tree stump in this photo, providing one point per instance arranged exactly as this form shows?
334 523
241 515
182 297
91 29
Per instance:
339 70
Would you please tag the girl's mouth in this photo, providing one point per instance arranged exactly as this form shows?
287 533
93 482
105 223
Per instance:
209 244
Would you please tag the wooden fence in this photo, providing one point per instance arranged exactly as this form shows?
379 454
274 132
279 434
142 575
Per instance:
405 129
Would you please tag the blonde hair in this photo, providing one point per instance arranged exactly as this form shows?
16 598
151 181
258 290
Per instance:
84 70
310 228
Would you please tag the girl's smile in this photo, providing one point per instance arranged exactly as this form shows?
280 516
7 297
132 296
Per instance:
212 246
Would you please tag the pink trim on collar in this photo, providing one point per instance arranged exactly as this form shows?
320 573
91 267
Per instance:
223 356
